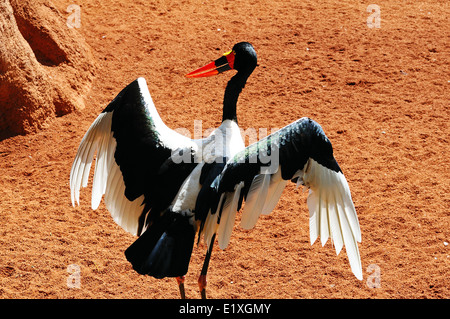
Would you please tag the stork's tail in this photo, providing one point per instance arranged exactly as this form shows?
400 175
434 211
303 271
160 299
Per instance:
165 248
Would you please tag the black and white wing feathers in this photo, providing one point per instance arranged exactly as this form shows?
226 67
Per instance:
134 165
300 152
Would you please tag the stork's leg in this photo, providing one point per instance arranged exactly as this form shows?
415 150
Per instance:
180 281
202 278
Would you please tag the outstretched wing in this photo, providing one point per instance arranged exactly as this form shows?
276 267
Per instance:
135 150
300 152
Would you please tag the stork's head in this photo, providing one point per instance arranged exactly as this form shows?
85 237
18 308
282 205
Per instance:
241 58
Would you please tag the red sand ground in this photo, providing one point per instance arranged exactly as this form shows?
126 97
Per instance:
381 95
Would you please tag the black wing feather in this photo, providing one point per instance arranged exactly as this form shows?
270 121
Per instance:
291 146
141 154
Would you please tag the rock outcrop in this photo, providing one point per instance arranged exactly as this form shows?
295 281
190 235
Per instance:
46 68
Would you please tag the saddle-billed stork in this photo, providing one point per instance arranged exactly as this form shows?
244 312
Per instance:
165 187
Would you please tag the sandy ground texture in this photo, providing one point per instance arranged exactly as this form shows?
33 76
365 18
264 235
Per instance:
381 94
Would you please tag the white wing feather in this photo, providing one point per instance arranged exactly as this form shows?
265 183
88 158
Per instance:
332 212
256 198
108 179
263 196
228 216
276 187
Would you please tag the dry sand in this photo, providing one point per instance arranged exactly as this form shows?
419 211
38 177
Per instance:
381 95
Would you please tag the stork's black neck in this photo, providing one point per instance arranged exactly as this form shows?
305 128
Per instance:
232 91
244 63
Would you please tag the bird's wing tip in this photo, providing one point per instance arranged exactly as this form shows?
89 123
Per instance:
141 80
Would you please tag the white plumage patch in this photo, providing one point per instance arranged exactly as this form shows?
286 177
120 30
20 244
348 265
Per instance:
108 179
98 132
276 187
228 216
256 198
332 212
263 196
211 225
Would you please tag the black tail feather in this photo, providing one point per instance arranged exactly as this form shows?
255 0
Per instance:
165 248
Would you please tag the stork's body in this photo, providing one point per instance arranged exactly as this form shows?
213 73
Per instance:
166 188
223 143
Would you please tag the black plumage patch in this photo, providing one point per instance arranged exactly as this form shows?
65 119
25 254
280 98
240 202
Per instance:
165 248
141 155
289 149
208 198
